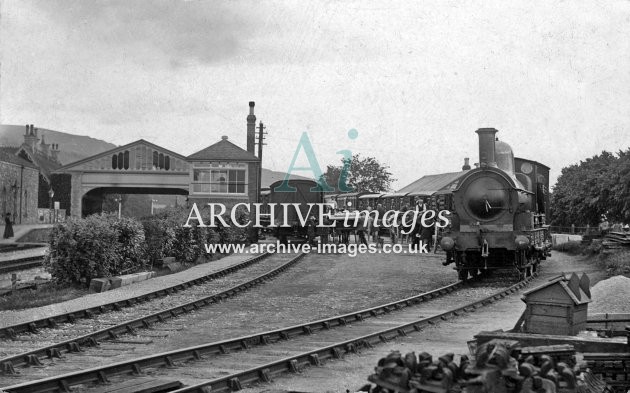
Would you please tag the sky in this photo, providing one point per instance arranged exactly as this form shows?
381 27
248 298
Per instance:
414 78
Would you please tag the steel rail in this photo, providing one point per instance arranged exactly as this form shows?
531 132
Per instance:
20 264
52 321
221 347
73 345
315 357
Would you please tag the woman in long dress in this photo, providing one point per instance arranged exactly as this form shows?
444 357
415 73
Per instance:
8 226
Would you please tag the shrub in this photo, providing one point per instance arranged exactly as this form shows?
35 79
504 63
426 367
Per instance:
616 262
166 236
96 246
159 237
82 249
131 245
232 233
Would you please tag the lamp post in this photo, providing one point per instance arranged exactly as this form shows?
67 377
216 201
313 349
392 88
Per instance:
119 200
51 194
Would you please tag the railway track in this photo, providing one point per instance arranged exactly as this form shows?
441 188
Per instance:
234 362
15 265
27 350
36 325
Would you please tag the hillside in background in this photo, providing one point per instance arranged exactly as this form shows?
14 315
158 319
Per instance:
72 147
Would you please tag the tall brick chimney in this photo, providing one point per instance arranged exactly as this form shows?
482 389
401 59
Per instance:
30 137
251 128
44 147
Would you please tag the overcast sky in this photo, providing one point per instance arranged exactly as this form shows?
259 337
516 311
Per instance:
415 79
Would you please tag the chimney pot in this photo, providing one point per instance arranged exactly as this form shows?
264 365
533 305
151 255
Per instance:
466 164
224 137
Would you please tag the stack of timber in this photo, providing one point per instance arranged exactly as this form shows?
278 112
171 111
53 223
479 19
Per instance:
616 240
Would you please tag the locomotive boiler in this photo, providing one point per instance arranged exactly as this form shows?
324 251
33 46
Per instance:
499 214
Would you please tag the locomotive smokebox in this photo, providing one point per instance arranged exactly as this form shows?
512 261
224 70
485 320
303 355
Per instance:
486 147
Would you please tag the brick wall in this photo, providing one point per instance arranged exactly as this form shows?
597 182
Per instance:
20 201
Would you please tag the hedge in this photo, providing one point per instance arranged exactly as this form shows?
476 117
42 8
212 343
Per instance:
104 245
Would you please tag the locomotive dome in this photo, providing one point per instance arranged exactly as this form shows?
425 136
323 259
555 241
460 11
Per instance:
504 156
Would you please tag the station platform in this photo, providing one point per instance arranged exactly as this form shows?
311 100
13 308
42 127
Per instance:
12 317
20 230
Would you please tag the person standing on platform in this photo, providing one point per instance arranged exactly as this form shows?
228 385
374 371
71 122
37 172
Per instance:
8 226
361 229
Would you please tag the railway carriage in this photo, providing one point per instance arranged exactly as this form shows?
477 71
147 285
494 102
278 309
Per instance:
497 222
393 201
369 200
306 191
350 201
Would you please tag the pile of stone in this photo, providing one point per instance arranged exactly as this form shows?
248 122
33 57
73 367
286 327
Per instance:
499 366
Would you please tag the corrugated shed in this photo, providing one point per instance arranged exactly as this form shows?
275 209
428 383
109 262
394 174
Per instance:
430 184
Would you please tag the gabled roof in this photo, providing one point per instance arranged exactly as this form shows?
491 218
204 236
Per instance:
45 164
578 294
430 184
223 150
127 146
7 154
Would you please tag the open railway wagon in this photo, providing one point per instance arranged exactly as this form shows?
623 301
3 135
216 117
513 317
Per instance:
499 216
299 217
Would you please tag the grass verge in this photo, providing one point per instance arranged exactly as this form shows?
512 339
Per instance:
43 295
48 293
616 262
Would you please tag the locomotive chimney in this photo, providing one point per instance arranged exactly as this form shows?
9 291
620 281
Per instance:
486 147
251 128
466 166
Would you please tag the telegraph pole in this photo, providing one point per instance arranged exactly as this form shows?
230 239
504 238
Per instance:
261 143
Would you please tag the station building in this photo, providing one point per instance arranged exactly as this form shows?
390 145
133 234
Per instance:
220 173
25 178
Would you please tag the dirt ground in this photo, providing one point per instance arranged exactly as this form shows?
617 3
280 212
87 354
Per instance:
351 372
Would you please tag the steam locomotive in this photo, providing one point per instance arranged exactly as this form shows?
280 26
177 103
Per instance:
499 213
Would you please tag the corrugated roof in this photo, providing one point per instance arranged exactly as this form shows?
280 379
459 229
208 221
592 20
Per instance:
430 184
223 150
7 154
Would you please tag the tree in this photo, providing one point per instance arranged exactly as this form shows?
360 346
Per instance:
599 185
364 174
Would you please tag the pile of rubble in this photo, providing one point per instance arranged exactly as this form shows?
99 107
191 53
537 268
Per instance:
498 367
